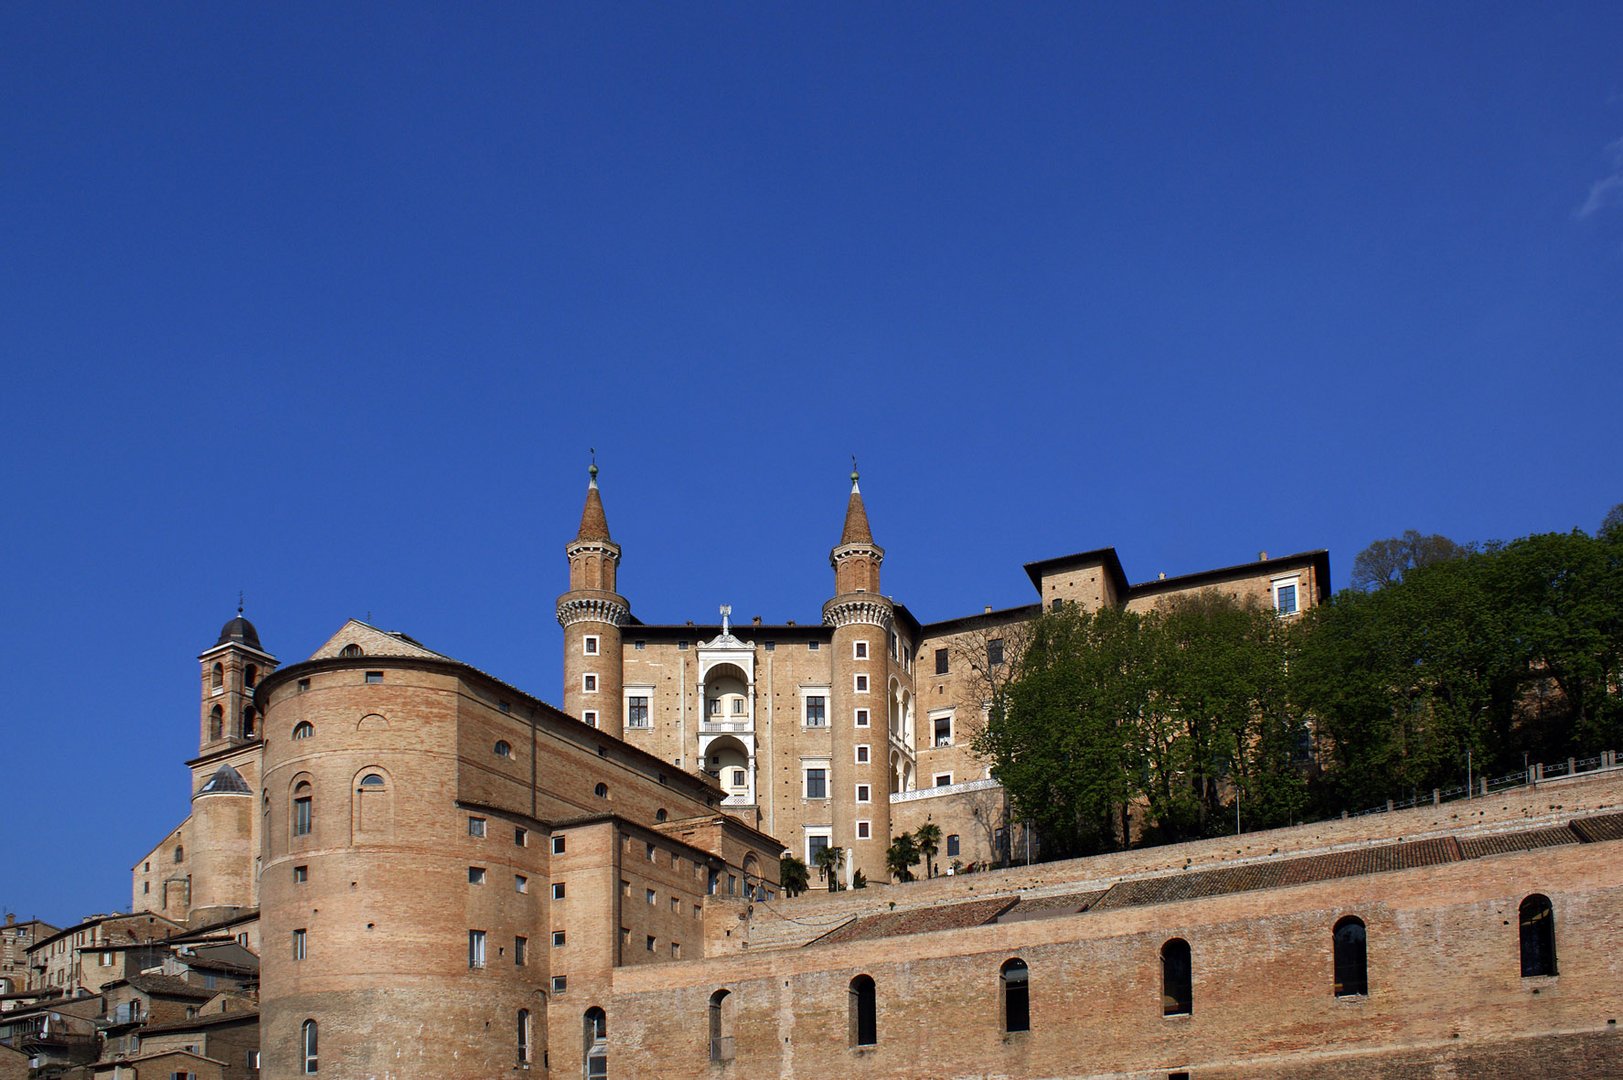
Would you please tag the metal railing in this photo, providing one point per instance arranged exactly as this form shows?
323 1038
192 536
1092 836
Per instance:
1492 785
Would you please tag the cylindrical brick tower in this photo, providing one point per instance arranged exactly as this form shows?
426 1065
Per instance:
380 954
591 613
862 619
222 844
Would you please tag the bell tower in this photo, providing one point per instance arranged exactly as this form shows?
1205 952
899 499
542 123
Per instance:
862 619
591 613
231 669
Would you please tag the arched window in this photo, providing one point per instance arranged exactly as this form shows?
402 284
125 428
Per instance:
303 808
352 649
595 1037
721 1026
307 1039
180 853
503 749
524 1036
661 814
1016 995
249 721
303 729
863 1024
1538 936
1351 958
601 791
250 676
217 677
216 723
1177 979
371 780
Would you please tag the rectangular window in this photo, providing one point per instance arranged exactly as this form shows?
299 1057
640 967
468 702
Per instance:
941 661
560 983
301 816
557 845
301 874
862 718
521 950
639 645
952 844
681 646
558 890
994 652
650 852
650 943
864 793
862 684
864 830
813 645
374 676
676 950
637 711
862 753
815 842
816 710
676 905
589 644
650 896
300 945
476 827
1056 604
772 646
558 939
738 706
476 948
942 734
521 883
521 836
625 936
816 783
476 875
943 779
588 683
859 650
589 717
1285 596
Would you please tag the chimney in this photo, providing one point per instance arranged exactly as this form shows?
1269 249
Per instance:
988 609
1262 556
1162 576
755 620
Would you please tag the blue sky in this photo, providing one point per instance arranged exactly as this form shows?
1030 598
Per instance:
327 302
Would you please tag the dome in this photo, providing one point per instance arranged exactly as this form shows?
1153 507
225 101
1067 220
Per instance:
241 631
226 780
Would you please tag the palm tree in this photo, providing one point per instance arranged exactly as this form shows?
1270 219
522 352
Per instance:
829 861
902 856
793 874
927 838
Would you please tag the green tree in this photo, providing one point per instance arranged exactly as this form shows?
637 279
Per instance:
793 875
902 856
927 838
1613 521
1388 562
829 860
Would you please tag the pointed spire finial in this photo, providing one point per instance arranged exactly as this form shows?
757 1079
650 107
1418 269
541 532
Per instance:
239 601
591 470
853 472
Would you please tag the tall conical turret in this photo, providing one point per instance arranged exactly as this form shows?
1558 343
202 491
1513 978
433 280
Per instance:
591 613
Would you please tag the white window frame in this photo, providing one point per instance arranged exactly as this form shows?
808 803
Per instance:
825 831
642 692
1294 581
807 693
860 683
936 777
862 718
949 716
863 754
864 793
864 829
859 650
806 766
589 717
591 645
589 682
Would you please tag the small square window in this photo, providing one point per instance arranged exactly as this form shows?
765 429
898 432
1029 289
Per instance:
558 939
862 718
560 983
681 646
558 890
521 836
862 684
476 875
589 717
301 874
476 827
557 845
374 676
864 793
813 645
639 645
521 883
943 779
862 753
771 646
588 683
859 650
864 830
589 644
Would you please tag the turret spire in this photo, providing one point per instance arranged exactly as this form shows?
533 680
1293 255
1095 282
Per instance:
594 525
856 515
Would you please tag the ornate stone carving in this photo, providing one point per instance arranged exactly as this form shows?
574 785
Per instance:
853 610
596 609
